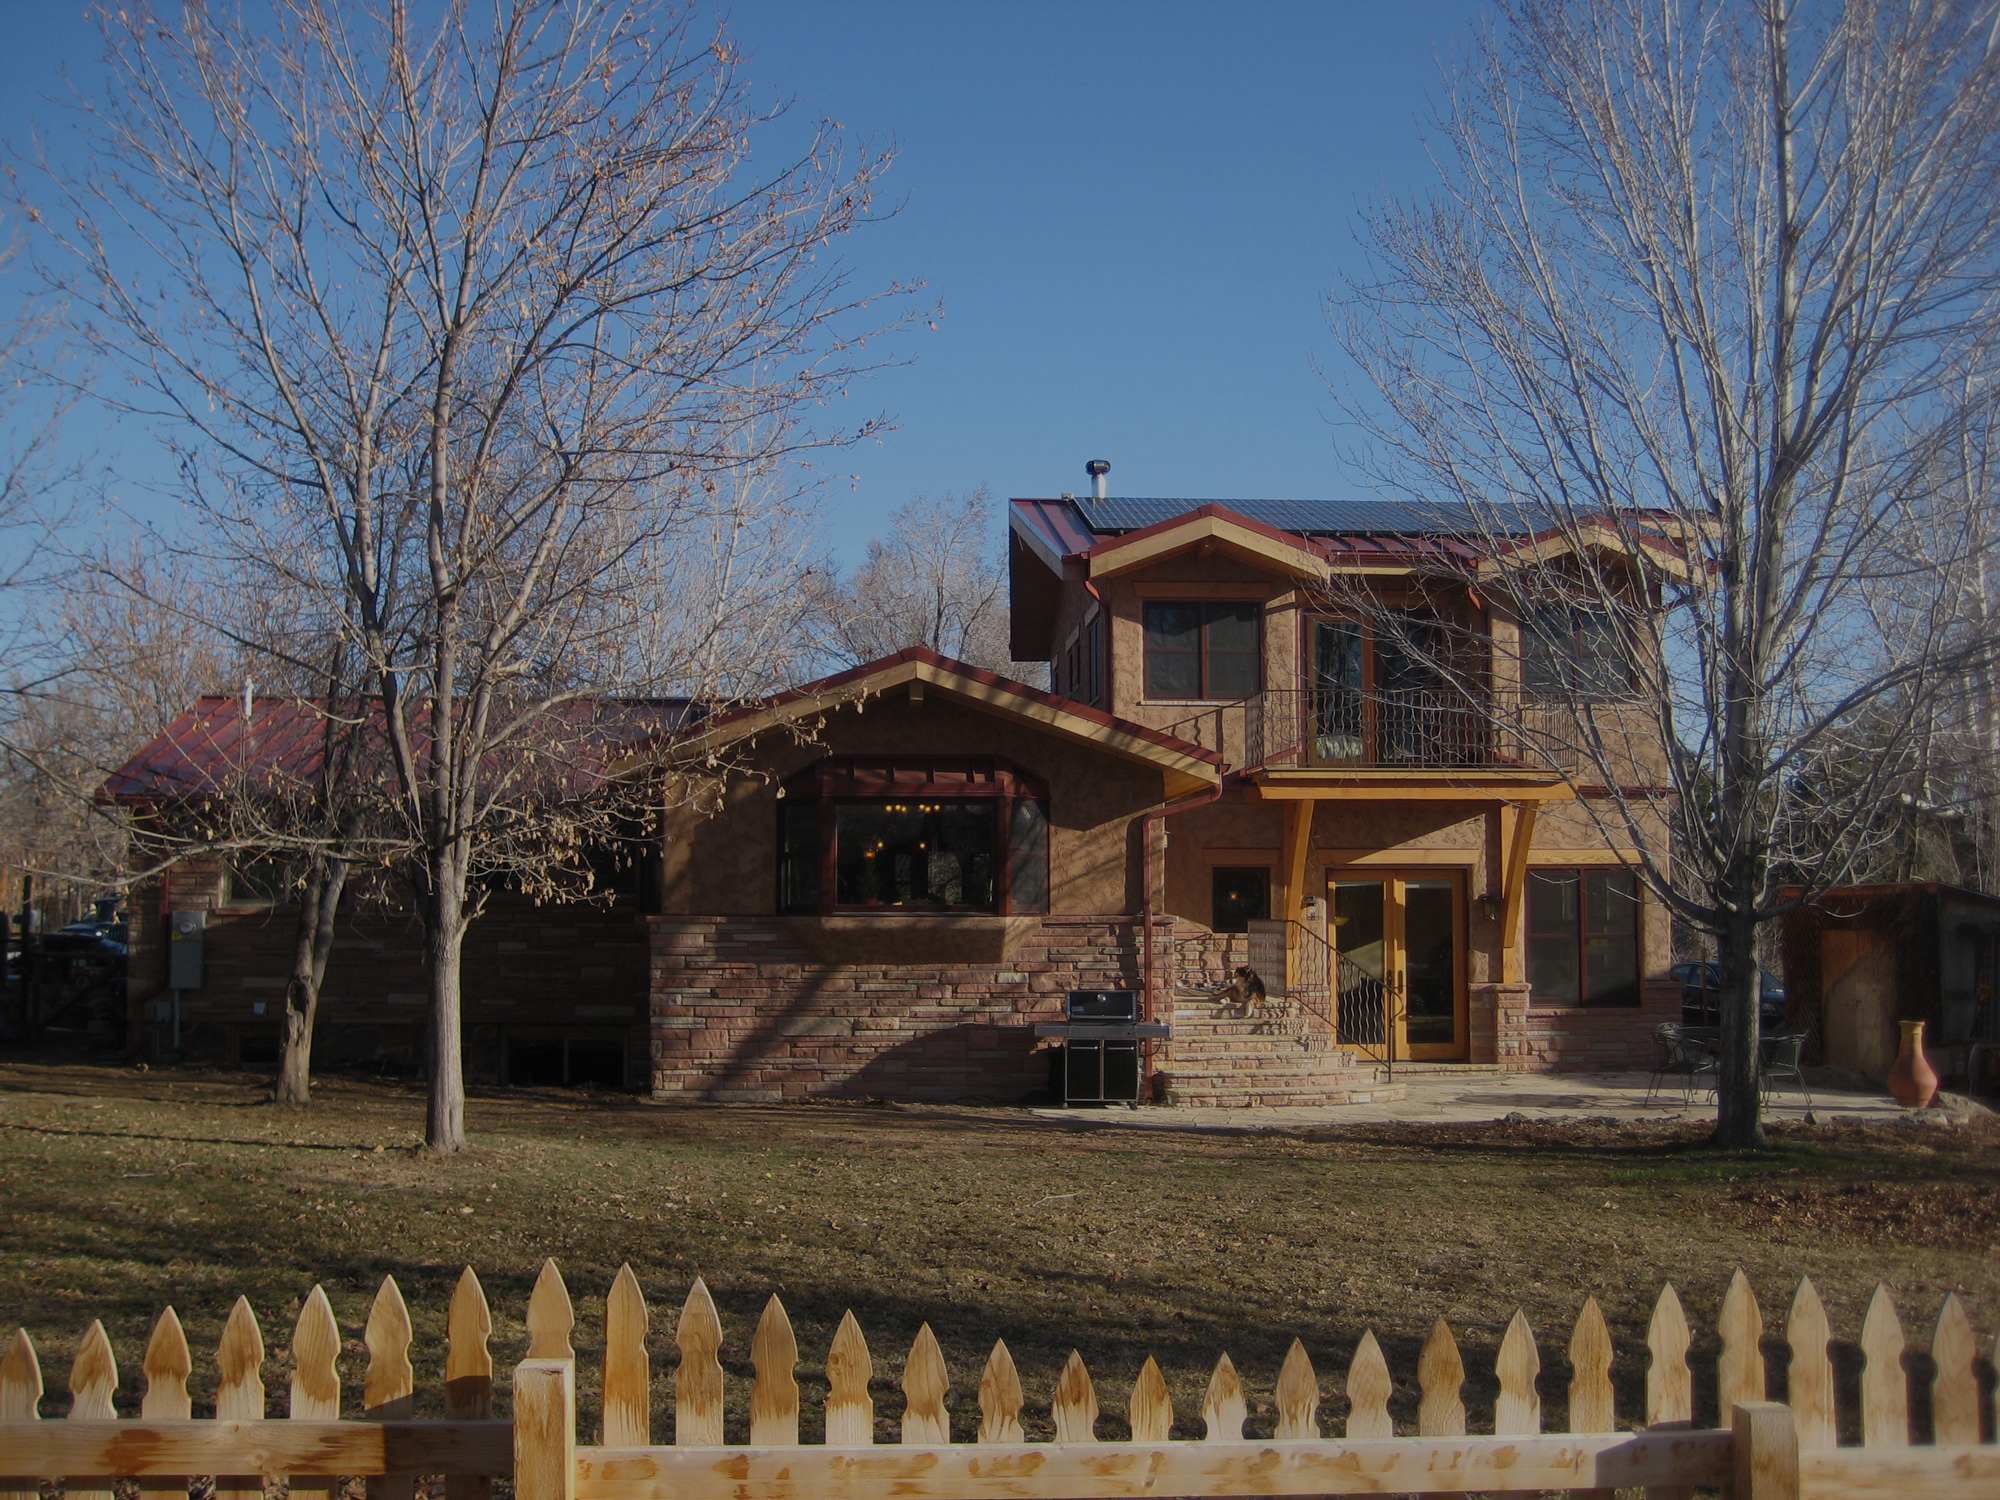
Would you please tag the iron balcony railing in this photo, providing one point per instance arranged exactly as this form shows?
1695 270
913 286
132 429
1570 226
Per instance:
1312 727
1337 728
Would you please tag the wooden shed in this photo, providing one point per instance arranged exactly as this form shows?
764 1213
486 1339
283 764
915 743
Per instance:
1860 959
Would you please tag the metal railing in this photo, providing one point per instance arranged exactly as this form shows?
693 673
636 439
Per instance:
1334 1000
1311 727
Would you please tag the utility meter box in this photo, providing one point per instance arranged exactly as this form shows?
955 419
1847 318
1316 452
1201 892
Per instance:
185 930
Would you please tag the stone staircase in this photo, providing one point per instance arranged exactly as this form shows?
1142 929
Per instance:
1277 1058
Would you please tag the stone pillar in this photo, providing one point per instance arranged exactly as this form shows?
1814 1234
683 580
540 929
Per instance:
1500 1025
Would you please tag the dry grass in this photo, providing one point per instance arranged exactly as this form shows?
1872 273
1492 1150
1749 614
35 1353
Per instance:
123 1192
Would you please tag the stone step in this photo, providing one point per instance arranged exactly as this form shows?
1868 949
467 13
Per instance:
1204 1094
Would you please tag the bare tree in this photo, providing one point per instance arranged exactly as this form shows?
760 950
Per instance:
1675 339
938 578
461 329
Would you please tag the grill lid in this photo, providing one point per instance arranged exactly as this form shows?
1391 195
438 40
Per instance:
1102 1005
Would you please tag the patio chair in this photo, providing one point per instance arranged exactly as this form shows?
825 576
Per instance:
1676 1055
1780 1059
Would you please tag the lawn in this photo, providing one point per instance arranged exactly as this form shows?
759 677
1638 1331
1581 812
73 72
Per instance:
123 1191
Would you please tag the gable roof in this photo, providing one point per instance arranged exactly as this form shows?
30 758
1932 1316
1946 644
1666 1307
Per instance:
1210 526
1184 766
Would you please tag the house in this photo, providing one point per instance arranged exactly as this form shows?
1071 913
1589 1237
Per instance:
903 869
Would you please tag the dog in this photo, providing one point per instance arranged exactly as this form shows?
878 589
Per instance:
1245 994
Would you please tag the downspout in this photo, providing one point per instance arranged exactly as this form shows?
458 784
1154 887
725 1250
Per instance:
1146 824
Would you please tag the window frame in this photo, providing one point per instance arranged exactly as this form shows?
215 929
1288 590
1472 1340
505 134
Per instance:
1580 672
837 781
1203 682
1216 873
1582 937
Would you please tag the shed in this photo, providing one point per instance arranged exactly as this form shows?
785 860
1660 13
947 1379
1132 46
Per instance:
1860 959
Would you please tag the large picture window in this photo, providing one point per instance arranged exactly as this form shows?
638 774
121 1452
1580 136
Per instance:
1205 651
908 835
1583 936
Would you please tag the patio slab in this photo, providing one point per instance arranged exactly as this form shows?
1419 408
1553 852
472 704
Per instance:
1441 1096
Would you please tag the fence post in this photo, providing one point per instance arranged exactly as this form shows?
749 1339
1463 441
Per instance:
1767 1451
545 1430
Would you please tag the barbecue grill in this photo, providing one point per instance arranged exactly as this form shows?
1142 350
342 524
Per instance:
1101 1032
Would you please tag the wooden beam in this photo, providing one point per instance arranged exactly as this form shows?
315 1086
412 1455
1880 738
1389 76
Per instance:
1409 791
1111 1471
1517 834
1767 1452
268 1447
1298 844
545 1429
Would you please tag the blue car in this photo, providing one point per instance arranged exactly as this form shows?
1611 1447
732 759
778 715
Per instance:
1701 997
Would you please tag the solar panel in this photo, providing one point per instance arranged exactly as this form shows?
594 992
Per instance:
1310 517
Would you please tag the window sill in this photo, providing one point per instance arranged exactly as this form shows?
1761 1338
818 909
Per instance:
912 937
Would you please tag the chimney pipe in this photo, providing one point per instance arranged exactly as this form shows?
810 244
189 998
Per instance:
1097 468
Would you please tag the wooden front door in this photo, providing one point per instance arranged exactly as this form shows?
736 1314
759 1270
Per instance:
1406 931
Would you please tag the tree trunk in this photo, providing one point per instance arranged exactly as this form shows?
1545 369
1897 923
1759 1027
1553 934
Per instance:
1739 1103
311 947
444 1130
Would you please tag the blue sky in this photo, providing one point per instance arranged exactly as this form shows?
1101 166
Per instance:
1131 213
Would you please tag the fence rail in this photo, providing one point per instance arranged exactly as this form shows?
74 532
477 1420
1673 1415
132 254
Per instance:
1767 1451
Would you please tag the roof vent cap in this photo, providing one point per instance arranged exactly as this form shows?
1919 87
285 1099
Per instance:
1097 468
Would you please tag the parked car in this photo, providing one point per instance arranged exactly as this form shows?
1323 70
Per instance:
1701 994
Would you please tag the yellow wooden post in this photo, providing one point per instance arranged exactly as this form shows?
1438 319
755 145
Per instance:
1298 842
1767 1451
1517 832
545 1429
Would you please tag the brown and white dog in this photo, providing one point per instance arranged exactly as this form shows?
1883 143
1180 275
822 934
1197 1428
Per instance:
1245 994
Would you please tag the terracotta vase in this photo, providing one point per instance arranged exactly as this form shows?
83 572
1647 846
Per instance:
1912 1079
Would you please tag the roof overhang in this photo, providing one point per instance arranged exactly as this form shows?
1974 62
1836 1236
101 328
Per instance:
1183 767
1214 527
1652 549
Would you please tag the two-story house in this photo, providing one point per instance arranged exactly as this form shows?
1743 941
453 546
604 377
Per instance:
1242 760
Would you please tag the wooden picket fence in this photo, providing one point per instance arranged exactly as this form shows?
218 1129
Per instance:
1766 1450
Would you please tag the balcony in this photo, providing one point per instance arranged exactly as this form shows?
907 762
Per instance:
1343 729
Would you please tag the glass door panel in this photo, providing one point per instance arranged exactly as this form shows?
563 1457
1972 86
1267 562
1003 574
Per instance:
1430 958
1338 707
1361 966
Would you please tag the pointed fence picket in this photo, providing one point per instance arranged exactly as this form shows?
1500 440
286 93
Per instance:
1765 1451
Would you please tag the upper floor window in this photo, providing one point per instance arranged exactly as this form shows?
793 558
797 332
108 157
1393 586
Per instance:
1570 651
1201 649
913 835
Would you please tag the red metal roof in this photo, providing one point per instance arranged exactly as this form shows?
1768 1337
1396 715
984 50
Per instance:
211 749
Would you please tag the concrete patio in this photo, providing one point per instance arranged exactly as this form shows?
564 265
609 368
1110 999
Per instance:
1438 1094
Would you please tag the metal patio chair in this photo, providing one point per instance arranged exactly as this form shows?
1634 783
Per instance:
1779 1058
1677 1055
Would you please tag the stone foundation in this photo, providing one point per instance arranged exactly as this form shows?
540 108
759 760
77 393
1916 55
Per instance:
743 1011
1535 1038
